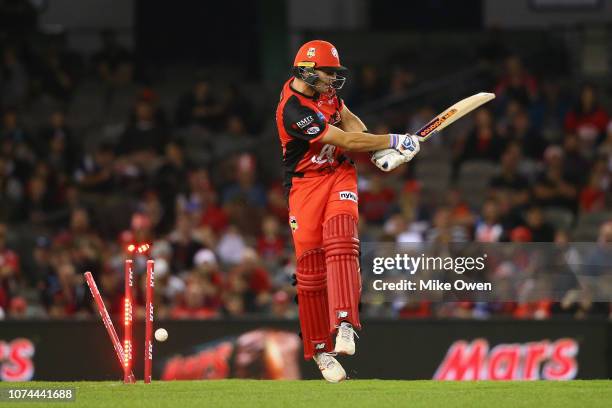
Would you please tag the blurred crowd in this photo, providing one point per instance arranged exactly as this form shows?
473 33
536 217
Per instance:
217 223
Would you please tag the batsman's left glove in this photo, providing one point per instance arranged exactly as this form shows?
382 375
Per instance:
402 149
387 159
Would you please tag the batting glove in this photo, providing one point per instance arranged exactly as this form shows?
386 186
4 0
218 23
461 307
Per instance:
407 145
387 159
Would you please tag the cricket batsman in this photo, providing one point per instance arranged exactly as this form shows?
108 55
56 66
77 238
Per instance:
315 128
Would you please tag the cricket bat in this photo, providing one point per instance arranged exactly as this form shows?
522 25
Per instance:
452 114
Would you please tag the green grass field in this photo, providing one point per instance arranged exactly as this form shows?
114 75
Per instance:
318 394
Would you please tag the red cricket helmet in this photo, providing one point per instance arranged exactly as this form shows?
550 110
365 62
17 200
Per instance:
318 54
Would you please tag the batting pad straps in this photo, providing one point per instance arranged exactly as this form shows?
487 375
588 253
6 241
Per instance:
341 243
312 302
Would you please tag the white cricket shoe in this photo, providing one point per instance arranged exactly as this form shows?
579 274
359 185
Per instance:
345 339
330 367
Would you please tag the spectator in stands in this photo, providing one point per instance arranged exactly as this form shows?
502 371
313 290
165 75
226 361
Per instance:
411 224
277 204
526 136
367 88
199 107
9 270
231 246
41 269
171 179
282 306
377 201
553 186
605 149
38 204
97 171
68 297
207 268
57 146
56 76
540 230
460 212
14 79
16 144
516 83
593 195
194 301
270 243
11 191
509 178
184 244
587 119
144 137
597 263
443 231
549 111
488 228
245 198
401 80
113 61
481 143
251 282
237 106
575 164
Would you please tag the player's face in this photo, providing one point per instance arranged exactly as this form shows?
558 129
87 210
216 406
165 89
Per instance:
329 81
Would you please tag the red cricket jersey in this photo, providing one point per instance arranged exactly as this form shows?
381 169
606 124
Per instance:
302 121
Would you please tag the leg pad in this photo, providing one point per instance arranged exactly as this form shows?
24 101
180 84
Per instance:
313 303
341 243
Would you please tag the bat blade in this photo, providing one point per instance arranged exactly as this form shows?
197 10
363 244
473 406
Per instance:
452 114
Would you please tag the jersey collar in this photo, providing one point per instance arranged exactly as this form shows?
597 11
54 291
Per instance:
292 89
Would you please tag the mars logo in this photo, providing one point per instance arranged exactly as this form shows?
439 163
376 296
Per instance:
16 360
516 361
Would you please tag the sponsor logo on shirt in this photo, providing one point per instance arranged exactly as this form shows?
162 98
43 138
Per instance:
304 122
348 195
313 130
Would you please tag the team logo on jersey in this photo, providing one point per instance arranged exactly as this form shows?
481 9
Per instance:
348 195
302 123
311 52
313 130
334 52
293 223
